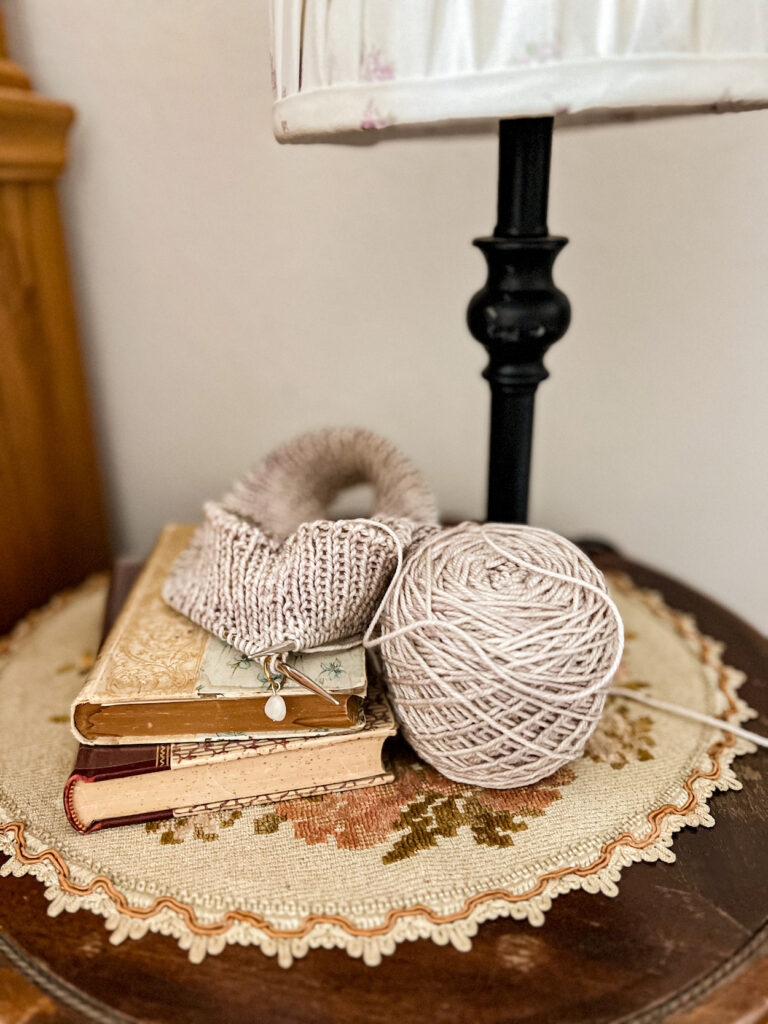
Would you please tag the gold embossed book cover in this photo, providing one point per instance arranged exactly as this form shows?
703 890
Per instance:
161 678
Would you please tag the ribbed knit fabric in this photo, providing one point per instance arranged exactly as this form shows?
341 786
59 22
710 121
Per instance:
267 570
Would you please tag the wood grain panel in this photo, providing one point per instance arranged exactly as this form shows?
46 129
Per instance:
52 520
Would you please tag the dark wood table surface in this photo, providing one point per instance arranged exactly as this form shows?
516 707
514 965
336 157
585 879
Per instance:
685 943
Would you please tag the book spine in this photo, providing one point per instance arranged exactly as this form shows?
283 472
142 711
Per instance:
187 721
86 771
96 826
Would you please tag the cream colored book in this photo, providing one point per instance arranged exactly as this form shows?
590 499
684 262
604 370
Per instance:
160 677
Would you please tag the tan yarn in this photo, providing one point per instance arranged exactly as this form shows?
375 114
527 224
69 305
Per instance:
268 570
499 643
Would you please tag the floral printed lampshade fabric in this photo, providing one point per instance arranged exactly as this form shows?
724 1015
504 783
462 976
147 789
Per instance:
341 66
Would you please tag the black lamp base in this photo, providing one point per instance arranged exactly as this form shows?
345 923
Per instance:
519 312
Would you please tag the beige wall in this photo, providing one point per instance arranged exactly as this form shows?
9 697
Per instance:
232 292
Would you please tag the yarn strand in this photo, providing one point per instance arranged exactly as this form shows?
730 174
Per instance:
691 714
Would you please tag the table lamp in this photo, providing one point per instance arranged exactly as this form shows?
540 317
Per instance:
367 70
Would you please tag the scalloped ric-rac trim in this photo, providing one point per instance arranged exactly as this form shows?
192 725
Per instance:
372 941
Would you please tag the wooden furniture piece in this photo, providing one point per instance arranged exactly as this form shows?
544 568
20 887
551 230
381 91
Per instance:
685 943
52 519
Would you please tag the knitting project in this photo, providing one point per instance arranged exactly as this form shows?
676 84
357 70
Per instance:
268 570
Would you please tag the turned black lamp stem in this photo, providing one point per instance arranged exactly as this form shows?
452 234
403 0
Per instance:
525 150
520 312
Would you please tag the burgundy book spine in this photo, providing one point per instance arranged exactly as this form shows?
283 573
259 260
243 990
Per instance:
94 764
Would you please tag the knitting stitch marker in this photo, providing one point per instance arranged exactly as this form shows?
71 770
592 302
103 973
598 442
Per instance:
275 707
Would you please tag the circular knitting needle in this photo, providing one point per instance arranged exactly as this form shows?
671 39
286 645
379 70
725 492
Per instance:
298 677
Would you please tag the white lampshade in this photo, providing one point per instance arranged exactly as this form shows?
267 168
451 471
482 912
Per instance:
351 66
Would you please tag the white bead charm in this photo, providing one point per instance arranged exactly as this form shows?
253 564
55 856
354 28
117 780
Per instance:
275 708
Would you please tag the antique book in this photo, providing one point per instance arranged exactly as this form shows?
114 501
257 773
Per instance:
160 677
119 785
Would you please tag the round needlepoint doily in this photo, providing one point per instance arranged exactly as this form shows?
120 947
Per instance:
421 857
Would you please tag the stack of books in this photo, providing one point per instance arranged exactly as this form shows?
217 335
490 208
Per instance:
171 720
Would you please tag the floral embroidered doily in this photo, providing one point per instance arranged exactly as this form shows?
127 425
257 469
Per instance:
363 870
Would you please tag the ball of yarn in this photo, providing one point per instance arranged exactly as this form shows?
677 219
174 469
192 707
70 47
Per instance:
498 644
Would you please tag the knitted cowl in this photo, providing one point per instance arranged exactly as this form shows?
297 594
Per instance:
268 570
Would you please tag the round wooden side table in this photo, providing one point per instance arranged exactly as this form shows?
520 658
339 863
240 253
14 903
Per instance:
685 943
